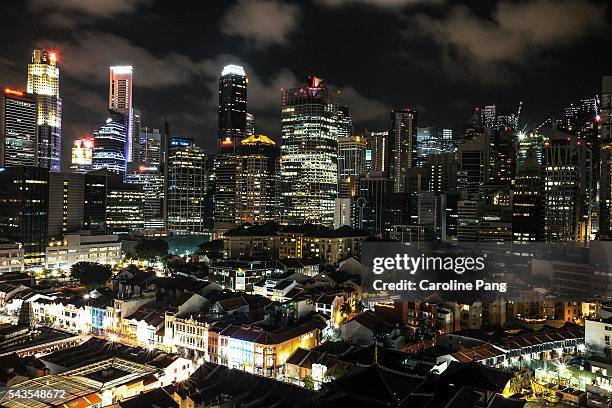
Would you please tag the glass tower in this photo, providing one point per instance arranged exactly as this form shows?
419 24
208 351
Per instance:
43 81
309 164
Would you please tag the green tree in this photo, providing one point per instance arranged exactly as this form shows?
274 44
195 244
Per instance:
91 274
212 249
151 249
345 309
308 383
359 306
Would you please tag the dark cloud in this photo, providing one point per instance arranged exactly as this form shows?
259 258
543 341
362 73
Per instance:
99 8
262 22
381 3
516 30
89 56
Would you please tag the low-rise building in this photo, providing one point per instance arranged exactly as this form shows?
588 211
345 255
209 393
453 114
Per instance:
598 336
11 258
103 249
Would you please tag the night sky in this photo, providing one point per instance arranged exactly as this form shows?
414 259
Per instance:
440 57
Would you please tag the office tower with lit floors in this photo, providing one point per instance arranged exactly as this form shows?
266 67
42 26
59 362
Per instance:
109 145
403 146
82 155
24 209
257 180
566 180
378 147
146 169
187 182
18 128
232 128
43 81
605 181
528 201
309 154
351 164
120 102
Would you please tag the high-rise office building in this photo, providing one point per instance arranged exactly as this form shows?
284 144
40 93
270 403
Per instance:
24 204
403 146
152 180
111 205
258 180
442 172
250 124
309 164
566 178
82 155
232 107
43 81
472 163
146 169
109 145
488 116
18 128
66 204
528 200
135 133
124 206
351 164
605 180
378 151
432 140
370 205
147 149
232 128
527 142
187 181
345 122
120 101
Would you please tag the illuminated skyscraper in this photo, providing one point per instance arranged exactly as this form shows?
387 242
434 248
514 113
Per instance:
82 155
257 180
605 181
145 169
345 122
232 129
120 101
472 160
186 188
18 123
351 163
527 200
232 107
433 140
566 178
403 146
489 116
378 146
43 80
309 164
109 145
250 124
24 208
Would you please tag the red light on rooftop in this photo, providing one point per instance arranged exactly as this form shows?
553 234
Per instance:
10 91
53 56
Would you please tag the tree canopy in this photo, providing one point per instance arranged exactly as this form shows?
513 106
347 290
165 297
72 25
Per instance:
151 249
91 274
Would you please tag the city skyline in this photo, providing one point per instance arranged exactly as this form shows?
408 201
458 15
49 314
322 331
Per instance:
420 68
